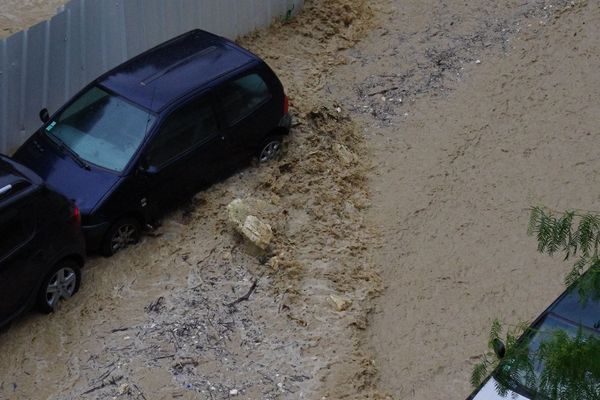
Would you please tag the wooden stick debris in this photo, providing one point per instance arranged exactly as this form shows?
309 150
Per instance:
245 297
383 91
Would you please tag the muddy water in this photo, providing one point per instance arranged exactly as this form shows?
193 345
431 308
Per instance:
474 113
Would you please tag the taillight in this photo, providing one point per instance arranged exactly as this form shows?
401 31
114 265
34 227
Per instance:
286 104
75 214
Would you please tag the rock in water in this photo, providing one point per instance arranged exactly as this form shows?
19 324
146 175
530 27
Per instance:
339 303
257 231
249 225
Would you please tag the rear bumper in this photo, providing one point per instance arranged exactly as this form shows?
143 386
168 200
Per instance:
285 122
94 234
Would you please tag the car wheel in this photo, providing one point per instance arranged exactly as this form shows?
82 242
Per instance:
122 234
270 149
61 284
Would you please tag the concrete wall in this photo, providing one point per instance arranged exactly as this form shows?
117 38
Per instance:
46 64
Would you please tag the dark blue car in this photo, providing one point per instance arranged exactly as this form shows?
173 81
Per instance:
164 123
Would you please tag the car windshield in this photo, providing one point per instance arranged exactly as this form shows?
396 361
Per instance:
558 357
102 129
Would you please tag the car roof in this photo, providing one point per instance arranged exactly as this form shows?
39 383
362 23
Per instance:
161 75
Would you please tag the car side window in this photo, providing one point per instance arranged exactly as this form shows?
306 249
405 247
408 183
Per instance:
18 226
185 128
242 96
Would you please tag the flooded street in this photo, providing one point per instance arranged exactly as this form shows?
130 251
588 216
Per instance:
473 113
423 133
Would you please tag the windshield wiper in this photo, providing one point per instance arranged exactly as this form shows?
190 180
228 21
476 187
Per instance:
62 146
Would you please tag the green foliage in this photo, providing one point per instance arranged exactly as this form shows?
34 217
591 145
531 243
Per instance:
572 233
489 360
571 366
567 366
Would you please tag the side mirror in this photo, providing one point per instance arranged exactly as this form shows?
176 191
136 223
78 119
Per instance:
145 167
499 348
44 115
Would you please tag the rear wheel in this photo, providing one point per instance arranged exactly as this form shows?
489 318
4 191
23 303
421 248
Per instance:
123 233
270 149
60 284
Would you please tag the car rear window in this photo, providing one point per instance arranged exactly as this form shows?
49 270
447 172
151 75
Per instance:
242 96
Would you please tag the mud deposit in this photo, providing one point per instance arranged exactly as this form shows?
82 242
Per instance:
19 14
157 321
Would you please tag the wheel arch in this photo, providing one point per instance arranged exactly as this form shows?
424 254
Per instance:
278 131
77 258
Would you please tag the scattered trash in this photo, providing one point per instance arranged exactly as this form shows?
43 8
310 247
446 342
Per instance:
156 306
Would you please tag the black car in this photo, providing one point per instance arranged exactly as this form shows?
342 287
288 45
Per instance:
174 118
41 245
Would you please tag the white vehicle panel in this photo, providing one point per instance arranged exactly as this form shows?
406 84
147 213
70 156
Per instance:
489 392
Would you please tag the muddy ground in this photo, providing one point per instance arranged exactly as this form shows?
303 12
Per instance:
424 131
19 14
473 113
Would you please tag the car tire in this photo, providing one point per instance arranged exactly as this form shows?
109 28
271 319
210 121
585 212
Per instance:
124 232
61 284
270 149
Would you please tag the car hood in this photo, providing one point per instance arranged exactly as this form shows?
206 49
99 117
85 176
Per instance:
489 392
86 187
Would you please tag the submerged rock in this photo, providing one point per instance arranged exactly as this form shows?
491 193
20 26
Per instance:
339 303
241 215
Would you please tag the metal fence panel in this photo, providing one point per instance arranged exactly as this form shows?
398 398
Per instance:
173 18
14 70
93 37
48 63
59 73
208 13
114 30
190 14
35 76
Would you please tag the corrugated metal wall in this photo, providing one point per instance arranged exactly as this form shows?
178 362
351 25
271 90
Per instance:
46 64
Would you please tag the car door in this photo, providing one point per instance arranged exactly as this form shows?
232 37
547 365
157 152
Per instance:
246 109
20 259
185 153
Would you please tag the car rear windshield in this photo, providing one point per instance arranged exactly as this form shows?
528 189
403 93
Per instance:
101 128
558 357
